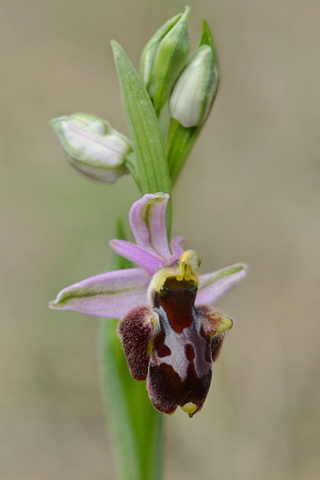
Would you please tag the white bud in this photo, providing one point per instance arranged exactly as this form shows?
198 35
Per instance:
192 94
93 147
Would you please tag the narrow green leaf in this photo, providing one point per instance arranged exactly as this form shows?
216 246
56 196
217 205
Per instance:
135 425
144 128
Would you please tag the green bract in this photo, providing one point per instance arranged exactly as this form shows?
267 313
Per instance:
164 57
191 97
93 147
149 165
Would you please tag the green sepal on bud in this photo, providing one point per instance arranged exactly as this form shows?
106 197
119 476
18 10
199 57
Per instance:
92 146
164 57
149 53
192 95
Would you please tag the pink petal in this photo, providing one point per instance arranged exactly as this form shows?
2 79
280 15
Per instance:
150 262
148 223
213 285
111 294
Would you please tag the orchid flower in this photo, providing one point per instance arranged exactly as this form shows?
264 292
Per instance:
169 330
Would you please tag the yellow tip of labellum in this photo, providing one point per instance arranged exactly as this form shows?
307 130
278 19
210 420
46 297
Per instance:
190 408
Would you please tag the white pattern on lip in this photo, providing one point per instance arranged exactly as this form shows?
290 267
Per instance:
177 342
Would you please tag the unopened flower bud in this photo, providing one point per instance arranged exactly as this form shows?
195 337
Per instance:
164 57
192 95
92 146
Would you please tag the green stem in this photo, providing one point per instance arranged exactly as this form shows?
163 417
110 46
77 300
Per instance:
136 427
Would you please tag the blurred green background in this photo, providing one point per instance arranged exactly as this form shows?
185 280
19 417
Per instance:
250 192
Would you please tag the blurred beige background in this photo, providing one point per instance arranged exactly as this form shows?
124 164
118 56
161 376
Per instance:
250 192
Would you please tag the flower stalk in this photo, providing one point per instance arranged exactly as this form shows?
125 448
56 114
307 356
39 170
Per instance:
170 332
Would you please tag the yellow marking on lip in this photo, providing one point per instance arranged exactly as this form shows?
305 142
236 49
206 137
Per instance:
159 278
188 263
